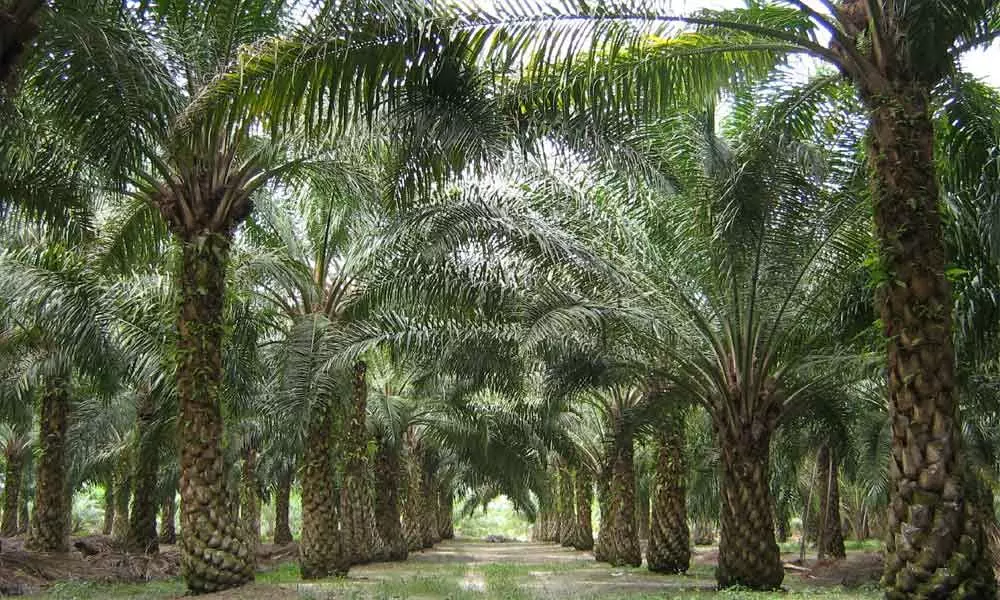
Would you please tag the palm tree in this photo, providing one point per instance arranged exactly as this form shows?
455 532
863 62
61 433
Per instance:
143 332
17 442
314 276
619 393
61 348
390 413
203 172
669 549
899 56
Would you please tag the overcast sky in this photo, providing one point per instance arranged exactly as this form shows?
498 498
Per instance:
984 64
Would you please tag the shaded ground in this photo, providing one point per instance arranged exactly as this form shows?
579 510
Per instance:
23 572
97 560
458 570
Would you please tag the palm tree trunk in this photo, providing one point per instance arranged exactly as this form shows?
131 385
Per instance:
412 509
321 553
540 528
22 513
748 552
446 502
168 532
354 500
567 510
936 537
642 513
142 522
11 494
428 508
51 516
214 550
831 536
250 496
602 545
109 505
584 501
669 549
388 473
123 494
282 497
552 505
623 540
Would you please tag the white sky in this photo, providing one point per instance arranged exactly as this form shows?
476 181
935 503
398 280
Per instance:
983 64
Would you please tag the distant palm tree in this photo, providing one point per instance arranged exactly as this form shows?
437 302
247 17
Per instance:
61 347
901 58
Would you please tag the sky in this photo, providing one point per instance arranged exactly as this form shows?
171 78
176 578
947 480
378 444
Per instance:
983 64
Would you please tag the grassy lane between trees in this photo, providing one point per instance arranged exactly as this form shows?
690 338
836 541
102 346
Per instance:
472 570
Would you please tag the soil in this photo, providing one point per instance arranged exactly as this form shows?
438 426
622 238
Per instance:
98 559
562 572
94 558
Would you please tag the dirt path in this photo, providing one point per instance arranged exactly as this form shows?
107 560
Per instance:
542 570
476 570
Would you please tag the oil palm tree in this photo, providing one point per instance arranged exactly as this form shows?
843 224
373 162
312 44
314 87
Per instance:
669 549
619 390
202 173
749 320
17 439
312 275
142 329
61 347
899 57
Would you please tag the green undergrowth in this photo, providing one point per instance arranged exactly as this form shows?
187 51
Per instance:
426 580
793 547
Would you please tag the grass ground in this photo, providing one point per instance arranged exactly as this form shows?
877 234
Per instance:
471 570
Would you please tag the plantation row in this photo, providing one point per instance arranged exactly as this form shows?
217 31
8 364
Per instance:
403 254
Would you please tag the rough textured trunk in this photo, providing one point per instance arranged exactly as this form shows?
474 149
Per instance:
669 549
168 531
540 530
11 494
50 522
388 472
566 508
282 497
552 505
446 501
142 520
584 500
355 498
428 508
109 506
123 495
413 504
214 550
379 551
320 546
642 513
622 536
250 497
22 514
831 536
601 546
748 552
936 545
